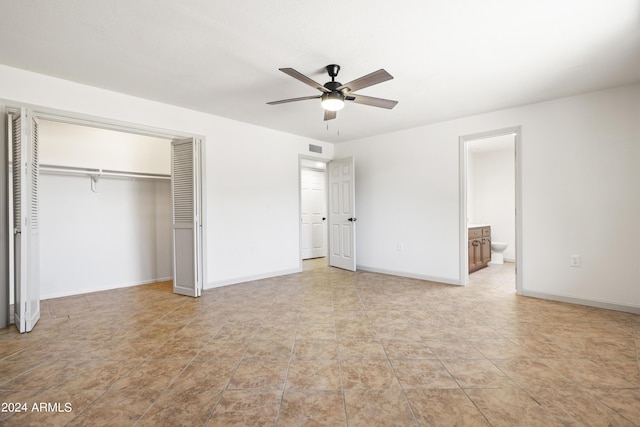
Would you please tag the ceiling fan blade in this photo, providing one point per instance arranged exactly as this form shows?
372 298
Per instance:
303 98
329 115
374 102
365 81
304 79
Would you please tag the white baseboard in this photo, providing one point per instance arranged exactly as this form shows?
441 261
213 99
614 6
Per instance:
236 280
61 294
580 301
409 275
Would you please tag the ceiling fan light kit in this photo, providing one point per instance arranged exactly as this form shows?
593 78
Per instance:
333 101
334 94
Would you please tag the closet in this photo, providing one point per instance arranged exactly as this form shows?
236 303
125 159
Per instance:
105 209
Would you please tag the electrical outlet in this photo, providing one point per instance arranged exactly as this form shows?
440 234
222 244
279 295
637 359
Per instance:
400 247
575 261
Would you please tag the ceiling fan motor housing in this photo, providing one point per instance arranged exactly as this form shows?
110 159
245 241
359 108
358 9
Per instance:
332 86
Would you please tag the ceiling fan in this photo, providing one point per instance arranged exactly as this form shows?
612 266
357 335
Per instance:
334 94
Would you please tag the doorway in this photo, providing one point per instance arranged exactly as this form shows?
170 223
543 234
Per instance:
490 195
339 211
313 209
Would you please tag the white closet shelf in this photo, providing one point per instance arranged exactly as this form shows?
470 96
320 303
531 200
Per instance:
101 173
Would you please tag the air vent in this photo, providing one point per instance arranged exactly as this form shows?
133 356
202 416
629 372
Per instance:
315 148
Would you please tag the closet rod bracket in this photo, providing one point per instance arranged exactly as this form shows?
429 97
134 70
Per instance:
94 181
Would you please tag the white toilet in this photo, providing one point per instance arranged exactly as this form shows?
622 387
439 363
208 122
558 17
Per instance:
497 252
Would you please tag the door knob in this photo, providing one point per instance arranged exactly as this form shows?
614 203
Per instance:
324 219
352 219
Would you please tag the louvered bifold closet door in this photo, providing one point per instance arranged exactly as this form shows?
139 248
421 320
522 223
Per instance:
26 220
187 230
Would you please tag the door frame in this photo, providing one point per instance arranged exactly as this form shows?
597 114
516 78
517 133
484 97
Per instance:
5 233
75 118
326 161
516 131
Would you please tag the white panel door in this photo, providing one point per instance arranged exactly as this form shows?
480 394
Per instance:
313 215
26 220
342 214
186 195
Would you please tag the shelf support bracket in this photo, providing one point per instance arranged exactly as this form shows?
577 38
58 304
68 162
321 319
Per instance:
94 181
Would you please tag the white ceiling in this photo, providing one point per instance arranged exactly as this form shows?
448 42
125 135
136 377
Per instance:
449 58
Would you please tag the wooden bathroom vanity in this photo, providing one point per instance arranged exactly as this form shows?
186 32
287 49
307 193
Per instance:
479 246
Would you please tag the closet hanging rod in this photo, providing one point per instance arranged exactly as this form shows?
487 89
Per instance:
71 170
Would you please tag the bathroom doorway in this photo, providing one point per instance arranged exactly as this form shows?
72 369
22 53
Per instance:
490 197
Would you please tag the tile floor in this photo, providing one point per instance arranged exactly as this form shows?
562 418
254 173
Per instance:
323 347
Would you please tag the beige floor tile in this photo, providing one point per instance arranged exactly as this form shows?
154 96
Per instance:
315 349
625 402
223 350
509 407
116 407
276 350
354 330
406 349
314 375
277 332
177 350
317 331
367 374
259 374
98 375
453 348
361 349
151 375
203 375
378 408
133 350
499 348
533 373
423 374
628 369
588 373
45 375
15 366
181 407
444 407
477 374
246 408
578 407
237 332
312 408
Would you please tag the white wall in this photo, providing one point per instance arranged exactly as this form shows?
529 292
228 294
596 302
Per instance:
252 194
491 195
580 195
63 144
94 241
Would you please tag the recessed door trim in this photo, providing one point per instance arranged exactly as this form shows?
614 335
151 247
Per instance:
516 131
